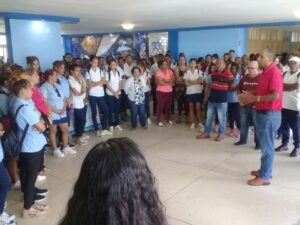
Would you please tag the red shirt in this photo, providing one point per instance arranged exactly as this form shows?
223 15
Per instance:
249 84
270 80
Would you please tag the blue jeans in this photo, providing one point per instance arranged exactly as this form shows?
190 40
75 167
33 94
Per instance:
221 110
248 114
100 103
80 120
267 124
137 110
4 186
114 110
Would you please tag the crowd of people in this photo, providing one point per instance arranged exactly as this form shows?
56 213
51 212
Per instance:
205 93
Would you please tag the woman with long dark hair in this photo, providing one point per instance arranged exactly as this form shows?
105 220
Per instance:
115 187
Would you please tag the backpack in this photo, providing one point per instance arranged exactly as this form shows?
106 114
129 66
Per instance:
12 141
5 119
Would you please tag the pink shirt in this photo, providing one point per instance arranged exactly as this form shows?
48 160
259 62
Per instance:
270 80
167 76
39 101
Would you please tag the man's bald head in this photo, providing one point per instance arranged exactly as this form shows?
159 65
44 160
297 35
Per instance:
253 68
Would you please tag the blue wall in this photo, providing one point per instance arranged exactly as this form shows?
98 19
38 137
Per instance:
38 38
201 42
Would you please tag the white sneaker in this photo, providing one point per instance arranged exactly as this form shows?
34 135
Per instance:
58 153
40 178
193 126
118 128
149 121
98 133
111 129
6 218
69 151
106 132
82 141
160 124
171 122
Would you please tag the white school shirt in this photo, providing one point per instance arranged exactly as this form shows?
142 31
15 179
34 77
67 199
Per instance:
114 81
95 76
128 69
196 88
122 73
154 69
291 99
146 76
78 101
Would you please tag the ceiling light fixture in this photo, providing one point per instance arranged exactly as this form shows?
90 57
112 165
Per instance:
128 26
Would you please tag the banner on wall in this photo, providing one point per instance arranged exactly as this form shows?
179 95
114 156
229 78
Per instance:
140 45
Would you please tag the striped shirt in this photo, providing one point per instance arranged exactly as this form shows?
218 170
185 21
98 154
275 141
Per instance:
221 83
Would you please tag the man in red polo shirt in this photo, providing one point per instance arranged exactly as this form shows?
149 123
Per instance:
268 106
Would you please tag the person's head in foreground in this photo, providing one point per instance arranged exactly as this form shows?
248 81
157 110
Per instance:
115 187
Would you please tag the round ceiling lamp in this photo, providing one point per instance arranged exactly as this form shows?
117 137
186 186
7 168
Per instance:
128 26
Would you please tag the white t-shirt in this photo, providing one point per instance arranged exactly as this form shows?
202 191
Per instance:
128 69
122 73
146 76
78 101
196 88
291 99
95 76
154 69
114 81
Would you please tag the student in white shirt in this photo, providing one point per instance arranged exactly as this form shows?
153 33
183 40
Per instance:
135 89
128 66
78 90
146 75
113 92
95 83
193 80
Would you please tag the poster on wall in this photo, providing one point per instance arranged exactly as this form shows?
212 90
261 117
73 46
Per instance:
158 43
141 50
140 45
115 45
86 45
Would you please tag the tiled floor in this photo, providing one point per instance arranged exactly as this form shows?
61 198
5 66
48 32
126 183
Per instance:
201 182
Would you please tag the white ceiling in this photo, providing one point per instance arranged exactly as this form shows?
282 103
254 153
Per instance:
106 16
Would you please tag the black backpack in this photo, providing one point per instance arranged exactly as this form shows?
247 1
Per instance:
12 141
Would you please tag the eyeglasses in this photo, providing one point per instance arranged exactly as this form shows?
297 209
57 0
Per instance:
251 68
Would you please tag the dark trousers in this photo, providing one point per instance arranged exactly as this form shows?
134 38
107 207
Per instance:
234 115
137 111
123 103
147 104
153 91
100 104
290 119
4 186
164 104
114 110
79 120
29 164
248 116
